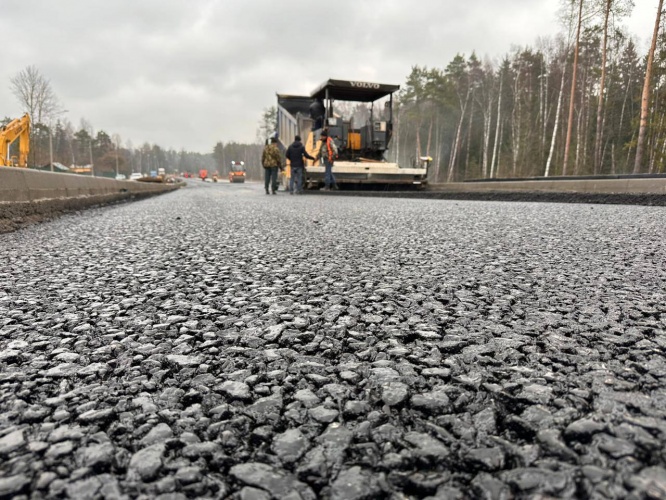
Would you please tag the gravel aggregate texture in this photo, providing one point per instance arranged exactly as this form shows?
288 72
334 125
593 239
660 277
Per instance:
16 215
216 342
441 192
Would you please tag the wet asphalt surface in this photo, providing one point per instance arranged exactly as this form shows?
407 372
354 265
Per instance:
220 343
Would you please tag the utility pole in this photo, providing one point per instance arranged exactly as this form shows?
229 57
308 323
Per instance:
50 148
117 152
92 166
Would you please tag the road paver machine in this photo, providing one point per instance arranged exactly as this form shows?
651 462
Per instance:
362 142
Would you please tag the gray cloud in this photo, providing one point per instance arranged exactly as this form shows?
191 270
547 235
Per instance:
188 73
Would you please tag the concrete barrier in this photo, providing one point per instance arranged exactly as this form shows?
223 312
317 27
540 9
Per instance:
596 186
624 191
28 196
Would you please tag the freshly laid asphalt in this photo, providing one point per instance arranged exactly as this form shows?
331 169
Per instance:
216 342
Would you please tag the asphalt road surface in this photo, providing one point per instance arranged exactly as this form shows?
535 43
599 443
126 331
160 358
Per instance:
217 342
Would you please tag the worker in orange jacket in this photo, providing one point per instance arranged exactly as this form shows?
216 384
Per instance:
327 153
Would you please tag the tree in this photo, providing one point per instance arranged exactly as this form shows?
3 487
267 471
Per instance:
219 157
35 94
618 8
414 98
640 145
573 89
267 124
558 111
116 142
502 72
83 149
458 74
63 151
621 107
602 83
485 99
102 145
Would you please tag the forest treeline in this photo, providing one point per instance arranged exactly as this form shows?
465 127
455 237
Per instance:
586 102
108 154
82 148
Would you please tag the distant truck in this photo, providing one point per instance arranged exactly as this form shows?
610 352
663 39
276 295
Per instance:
362 145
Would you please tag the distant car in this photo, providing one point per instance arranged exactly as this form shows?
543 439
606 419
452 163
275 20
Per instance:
121 177
135 176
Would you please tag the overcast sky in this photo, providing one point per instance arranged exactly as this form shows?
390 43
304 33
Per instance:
189 73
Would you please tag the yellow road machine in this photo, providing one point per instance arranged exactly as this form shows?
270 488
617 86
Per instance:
359 118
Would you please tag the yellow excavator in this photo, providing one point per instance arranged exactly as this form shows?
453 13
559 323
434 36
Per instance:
15 129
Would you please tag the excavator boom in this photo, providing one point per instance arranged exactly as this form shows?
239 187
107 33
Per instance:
16 129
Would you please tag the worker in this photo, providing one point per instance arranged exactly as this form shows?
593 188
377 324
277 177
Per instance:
317 112
295 153
328 152
271 160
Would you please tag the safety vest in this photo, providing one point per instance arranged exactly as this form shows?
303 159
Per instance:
331 156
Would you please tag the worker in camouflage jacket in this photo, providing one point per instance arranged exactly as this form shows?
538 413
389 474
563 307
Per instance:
271 160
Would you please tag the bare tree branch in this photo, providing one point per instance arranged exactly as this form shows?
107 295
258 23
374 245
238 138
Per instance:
35 94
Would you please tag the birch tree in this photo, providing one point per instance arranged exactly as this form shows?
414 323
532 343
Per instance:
558 112
457 73
498 123
483 79
640 145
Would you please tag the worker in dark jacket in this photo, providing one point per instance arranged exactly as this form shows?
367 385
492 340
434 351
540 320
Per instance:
295 154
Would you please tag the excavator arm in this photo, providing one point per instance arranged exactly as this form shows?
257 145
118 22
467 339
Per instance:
16 129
